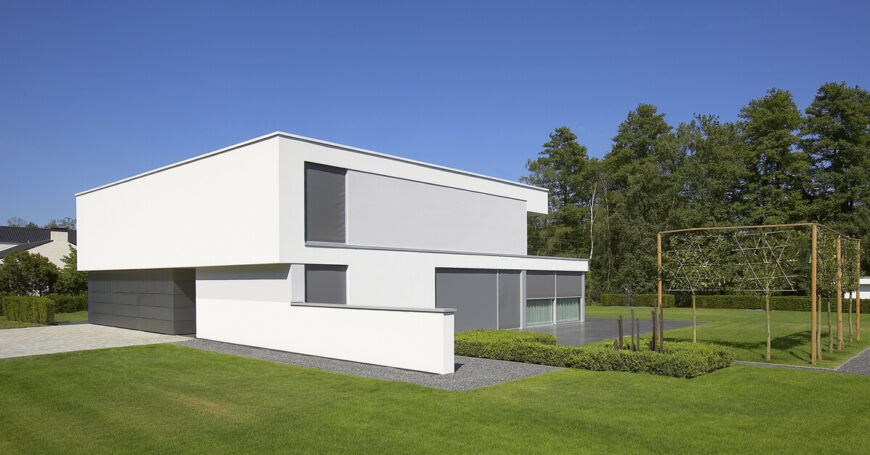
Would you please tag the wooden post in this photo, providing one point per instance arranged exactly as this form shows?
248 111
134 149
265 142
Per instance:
659 247
858 295
620 331
694 322
850 321
633 348
839 292
813 260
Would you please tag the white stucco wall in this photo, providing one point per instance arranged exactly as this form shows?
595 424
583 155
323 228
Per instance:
219 210
393 212
251 306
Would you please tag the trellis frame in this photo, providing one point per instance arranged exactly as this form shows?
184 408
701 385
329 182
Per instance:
814 259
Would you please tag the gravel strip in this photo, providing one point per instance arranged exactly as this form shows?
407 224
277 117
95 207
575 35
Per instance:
780 365
471 373
860 364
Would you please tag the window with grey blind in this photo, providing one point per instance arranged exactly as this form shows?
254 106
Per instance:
326 284
324 203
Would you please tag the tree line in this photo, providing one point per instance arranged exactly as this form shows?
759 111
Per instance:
775 164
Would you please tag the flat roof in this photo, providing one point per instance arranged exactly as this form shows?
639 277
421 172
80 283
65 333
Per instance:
315 141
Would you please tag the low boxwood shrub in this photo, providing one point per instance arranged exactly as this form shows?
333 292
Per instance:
69 303
28 309
636 300
680 359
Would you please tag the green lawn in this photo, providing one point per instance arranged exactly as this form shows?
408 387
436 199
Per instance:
7 324
744 332
71 317
59 317
174 399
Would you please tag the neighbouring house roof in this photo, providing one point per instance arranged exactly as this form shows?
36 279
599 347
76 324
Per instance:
23 247
9 234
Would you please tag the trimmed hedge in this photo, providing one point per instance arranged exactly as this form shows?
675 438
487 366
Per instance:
69 303
749 302
29 309
682 360
637 300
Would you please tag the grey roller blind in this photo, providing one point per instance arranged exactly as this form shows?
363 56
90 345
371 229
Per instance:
326 284
509 301
540 285
474 294
568 284
324 203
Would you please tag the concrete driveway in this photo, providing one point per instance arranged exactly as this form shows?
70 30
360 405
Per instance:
77 337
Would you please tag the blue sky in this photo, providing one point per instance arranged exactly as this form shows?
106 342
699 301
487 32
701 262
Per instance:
91 92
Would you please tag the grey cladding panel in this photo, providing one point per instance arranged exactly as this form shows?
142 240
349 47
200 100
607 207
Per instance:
509 299
569 284
152 300
474 294
326 284
324 203
540 285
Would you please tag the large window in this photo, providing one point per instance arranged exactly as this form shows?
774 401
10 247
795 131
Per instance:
324 203
326 284
539 311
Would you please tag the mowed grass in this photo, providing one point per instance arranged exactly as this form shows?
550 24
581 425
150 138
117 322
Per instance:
7 324
59 317
175 399
78 316
744 332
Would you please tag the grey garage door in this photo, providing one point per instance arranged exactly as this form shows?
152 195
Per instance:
474 294
161 300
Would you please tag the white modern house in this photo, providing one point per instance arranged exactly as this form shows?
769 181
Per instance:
302 245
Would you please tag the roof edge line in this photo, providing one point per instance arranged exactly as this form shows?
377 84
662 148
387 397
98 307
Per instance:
315 141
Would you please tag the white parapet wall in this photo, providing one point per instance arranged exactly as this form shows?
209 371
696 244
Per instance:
251 306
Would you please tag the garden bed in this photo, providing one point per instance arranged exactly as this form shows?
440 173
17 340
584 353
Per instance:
684 360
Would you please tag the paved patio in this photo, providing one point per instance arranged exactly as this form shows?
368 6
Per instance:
77 337
600 329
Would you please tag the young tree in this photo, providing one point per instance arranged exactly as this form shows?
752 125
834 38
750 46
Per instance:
22 273
70 280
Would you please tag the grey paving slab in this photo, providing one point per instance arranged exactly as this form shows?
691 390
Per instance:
471 373
594 330
73 337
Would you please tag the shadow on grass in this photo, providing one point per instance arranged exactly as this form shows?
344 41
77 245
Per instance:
785 343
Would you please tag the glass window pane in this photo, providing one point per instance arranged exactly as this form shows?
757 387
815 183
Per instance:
539 311
568 309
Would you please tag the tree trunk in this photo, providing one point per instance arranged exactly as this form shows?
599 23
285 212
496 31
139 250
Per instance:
819 329
632 331
654 334
694 322
767 314
850 320
592 222
830 331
